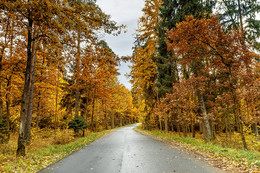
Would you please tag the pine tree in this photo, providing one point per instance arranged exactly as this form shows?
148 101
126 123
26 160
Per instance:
241 15
171 13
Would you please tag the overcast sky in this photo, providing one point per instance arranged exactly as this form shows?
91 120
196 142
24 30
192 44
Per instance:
125 12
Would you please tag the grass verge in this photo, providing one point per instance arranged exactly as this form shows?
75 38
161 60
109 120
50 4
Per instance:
245 161
36 160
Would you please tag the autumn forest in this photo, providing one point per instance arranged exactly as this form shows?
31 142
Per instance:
194 72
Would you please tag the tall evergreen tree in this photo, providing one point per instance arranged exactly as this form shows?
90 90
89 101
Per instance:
241 15
171 13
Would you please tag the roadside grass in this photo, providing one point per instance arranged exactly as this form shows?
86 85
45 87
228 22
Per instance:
236 157
39 158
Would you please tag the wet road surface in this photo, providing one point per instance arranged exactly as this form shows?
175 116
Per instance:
127 151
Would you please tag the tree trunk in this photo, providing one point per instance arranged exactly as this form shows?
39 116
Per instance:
56 105
256 130
8 103
213 131
86 108
93 111
112 121
242 134
237 114
240 17
178 128
27 98
77 100
106 127
121 120
166 123
226 128
1 100
38 113
236 109
184 127
192 128
208 132
160 121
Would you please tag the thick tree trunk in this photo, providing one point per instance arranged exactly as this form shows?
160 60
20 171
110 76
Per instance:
208 132
27 98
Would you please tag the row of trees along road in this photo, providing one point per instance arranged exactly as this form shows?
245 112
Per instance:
55 72
196 67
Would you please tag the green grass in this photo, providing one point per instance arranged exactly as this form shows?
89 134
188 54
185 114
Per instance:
237 155
41 158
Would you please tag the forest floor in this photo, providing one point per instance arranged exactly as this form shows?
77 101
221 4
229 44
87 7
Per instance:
228 159
46 148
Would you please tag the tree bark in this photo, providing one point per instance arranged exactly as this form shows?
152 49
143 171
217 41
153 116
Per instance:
56 104
77 101
27 98
240 17
1 99
256 130
208 132
236 108
112 120
178 128
106 127
93 111
7 102
160 121
184 127
121 120
166 123
192 127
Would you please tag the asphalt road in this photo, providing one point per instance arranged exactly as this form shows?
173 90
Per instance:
128 151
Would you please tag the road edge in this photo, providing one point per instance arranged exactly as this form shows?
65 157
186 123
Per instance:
194 152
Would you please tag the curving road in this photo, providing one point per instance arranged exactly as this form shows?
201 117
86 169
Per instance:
128 151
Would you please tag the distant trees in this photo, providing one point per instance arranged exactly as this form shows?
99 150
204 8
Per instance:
144 70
